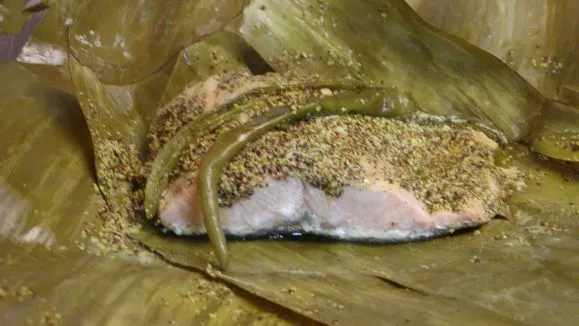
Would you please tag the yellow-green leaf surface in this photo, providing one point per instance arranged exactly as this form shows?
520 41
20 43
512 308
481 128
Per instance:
126 41
46 163
82 289
115 113
223 51
128 57
48 217
120 65
570 94
387 43
536 38
556 133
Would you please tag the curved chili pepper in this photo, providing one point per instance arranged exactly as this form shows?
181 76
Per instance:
369 102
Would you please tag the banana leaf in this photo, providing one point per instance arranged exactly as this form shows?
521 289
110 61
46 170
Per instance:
556 133
520 269
84 289
539 45
119 75
46 161
444 74
52 271
215 54
570 94
138 37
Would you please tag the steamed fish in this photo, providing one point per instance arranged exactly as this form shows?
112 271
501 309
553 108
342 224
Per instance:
355 177
253 155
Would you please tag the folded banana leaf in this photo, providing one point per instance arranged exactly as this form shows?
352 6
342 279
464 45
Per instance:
119 74
121 66
60 260
570 94
556 133
84 289
46 169
220 52
137 38
389 44
539 45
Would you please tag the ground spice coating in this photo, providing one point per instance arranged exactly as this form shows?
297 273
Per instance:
443 165
199 98
122 179
190 157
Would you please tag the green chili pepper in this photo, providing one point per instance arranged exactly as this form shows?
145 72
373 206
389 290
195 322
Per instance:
167 159
369 102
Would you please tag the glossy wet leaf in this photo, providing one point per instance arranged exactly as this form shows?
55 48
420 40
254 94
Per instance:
126 41
327 282
536 38
121 66
523 269
570 93
90 290
46 167
556 133
220 52
548 210
53 28
115 112
389 44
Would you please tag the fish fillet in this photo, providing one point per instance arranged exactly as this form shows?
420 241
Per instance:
355 178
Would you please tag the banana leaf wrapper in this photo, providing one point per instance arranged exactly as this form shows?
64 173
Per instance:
444 74
138 38
497 275
85 289
55 267
118 90
540 44
46 169
556 133
570 94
